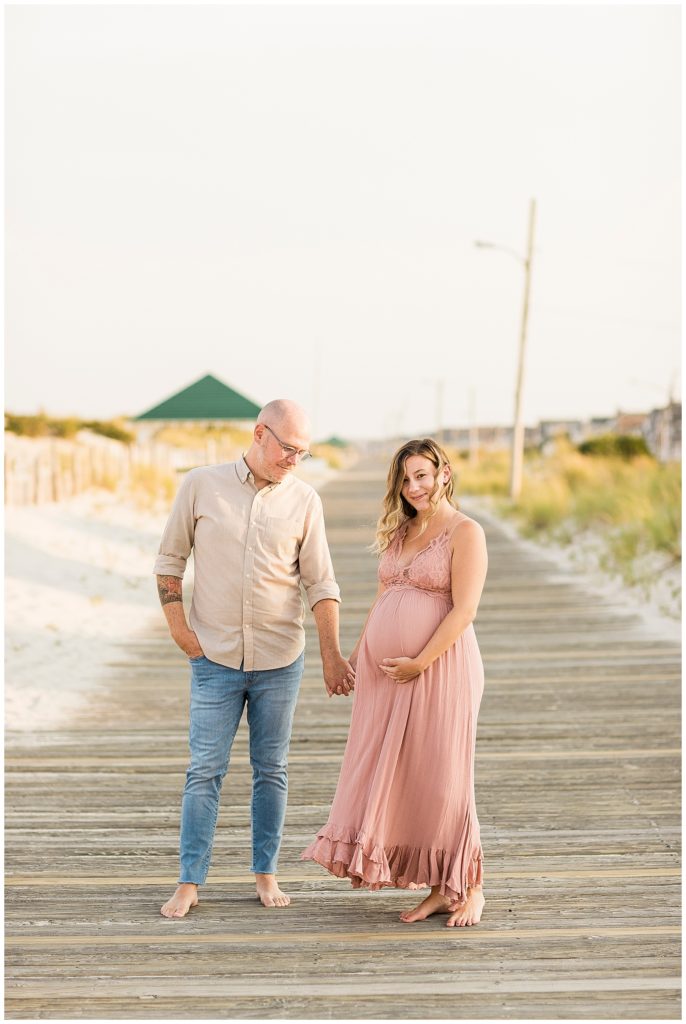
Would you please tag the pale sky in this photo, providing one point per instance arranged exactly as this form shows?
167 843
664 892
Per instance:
288 197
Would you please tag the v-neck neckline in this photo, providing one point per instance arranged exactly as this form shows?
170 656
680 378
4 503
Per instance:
425 548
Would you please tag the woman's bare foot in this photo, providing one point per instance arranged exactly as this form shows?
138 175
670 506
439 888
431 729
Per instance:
268 892
433 904
185 897
468 912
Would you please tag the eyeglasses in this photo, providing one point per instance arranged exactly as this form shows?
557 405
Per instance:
288 450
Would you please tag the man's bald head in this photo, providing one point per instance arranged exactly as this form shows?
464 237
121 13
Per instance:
285 414
280 423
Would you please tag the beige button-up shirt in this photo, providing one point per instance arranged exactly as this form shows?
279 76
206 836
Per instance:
252 549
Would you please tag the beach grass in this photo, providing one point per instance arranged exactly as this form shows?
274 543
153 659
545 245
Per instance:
150 488
195 435
335 457
632 504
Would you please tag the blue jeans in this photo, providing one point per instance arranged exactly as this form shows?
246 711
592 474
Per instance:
218 696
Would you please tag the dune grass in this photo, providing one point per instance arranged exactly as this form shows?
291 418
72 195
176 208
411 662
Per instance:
335 457
197 436
150 487
633 505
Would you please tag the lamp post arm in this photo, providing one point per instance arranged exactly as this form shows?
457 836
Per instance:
501 248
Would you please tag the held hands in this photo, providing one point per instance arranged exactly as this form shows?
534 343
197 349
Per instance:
401 669
339 676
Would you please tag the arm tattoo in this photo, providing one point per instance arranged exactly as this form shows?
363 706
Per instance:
169 589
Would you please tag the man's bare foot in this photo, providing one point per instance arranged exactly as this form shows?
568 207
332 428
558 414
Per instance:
433 904
185 897
268 892
468 912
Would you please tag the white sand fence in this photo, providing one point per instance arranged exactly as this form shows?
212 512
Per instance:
48 469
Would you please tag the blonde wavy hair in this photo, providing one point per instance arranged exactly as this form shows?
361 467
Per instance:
396 511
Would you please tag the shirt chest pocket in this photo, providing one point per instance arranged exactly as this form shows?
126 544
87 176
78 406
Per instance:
282 537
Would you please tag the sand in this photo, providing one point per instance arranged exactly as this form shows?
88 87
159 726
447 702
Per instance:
78 578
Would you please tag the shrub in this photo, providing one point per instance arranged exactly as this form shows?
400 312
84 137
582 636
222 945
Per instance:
624 446
28 426
64 428
109 429
42 426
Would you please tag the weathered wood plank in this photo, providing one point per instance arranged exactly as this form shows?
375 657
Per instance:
197 986
648 1006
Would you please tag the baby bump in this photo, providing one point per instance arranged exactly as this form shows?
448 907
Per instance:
402 623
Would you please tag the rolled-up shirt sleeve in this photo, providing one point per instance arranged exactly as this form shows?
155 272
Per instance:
177 539
316 567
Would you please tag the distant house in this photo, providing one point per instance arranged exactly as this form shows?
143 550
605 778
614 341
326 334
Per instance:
550 429
488 438
458 437
495 438
532 436
208 401
599 425
662 431
631 423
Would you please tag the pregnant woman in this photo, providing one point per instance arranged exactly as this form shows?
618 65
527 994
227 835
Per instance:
404 813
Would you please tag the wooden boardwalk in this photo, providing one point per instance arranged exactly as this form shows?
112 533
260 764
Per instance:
577 785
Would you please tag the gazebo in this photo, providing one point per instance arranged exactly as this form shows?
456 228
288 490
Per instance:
208 401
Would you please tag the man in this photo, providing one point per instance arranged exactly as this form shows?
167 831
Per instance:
256 533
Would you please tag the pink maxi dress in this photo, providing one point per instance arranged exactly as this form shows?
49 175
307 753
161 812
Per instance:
404 813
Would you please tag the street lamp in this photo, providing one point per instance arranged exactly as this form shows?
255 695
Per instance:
518 429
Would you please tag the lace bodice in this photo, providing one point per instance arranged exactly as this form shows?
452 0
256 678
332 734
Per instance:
429 568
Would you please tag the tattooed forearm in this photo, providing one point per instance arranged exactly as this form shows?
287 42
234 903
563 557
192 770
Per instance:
169 589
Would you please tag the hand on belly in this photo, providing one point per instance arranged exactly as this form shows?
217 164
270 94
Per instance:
401 670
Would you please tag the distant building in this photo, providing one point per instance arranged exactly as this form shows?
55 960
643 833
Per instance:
208 401
661 429
662 432
494 438
630 423
551 429
599 425
532 436
456 437
487 438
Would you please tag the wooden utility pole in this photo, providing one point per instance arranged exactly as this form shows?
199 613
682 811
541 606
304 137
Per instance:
518 429
316 387
473 429
440 384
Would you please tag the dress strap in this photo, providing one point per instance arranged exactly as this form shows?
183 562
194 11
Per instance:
451 531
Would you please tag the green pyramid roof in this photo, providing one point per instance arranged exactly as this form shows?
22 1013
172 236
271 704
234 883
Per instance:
207 399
